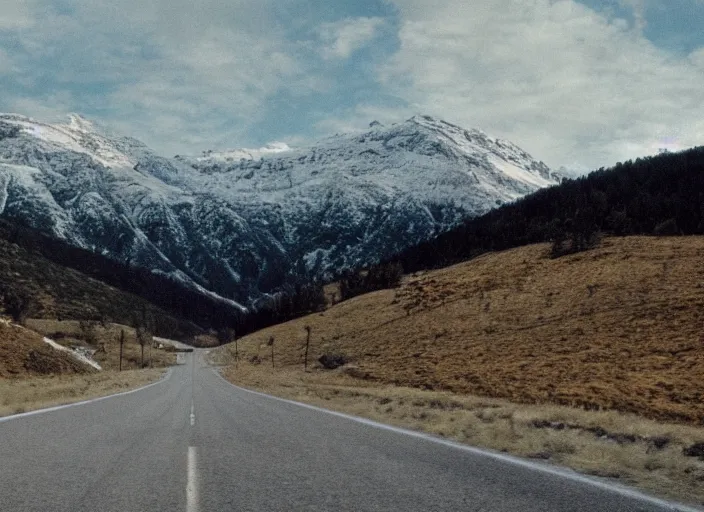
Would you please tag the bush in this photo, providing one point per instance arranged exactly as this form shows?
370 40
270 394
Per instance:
377 277
18 305
667 228
332 361
88 331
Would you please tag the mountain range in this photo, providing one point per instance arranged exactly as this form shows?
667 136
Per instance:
240 224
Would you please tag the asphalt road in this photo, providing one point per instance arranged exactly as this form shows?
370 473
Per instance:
195 443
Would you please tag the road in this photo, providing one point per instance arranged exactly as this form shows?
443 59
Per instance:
194 443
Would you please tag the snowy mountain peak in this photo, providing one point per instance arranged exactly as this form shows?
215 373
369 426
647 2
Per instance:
247 222
79 135
233 155
79 123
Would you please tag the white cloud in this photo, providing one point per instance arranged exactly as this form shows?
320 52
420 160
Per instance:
559 79
6 63
569 84
172 72
342 38
697 57
15 15
361 116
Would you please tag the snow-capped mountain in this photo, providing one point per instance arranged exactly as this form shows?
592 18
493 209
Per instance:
240 223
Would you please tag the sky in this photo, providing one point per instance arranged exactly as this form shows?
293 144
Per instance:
581 84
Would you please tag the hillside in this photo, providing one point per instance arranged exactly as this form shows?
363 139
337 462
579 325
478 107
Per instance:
43 289
23 353
617 327
654 195
235 225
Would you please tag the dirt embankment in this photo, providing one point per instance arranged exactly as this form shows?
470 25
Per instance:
23 353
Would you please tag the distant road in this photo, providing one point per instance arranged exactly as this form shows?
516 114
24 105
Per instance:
195 443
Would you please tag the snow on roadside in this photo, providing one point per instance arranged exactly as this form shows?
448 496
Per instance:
74 353
173 343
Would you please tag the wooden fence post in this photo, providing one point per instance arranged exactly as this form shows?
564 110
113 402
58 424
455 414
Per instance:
271 344
305 361
122 342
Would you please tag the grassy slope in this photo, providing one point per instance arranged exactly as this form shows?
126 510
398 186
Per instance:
24 354
22 395
60 292
492 352
69 333
618 327
33 375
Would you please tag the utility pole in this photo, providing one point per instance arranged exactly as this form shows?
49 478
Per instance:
237 353
305 360
122 343
271 344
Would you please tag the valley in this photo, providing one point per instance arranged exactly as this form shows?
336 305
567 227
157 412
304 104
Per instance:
234 227
583 350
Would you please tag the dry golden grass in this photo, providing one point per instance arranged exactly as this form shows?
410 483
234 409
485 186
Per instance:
33 375
618 327
61 292
106 342
23 353
627 448
592 360
22 395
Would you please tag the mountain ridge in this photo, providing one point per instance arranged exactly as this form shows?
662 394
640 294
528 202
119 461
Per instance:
243 223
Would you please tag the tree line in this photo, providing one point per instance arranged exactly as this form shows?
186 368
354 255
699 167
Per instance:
659 195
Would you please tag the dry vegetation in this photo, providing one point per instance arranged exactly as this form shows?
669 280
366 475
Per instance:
612 333
624 447
62 293
24 354
34 375
22 395
619 327
105 340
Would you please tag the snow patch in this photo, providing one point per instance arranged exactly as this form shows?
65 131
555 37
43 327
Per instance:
76 354
234 155
78 136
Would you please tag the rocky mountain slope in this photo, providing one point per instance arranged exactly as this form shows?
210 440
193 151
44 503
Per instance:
246 222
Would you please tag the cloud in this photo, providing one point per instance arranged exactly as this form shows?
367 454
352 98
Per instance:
342 38
639 10
6 62
697 56
15 14
171 72
563 81
569 84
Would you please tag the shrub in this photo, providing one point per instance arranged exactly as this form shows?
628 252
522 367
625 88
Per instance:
17 304
332 361
667 228
88 331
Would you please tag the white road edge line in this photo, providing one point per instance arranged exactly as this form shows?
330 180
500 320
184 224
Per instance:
161 380
553 470
192 483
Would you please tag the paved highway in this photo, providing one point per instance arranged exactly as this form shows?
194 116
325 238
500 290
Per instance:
194 443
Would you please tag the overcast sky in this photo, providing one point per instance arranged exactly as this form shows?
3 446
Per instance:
581 84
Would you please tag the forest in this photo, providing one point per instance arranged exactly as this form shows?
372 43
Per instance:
659 195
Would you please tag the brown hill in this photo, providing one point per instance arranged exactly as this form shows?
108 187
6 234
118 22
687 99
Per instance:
54 291
23 353
618 327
